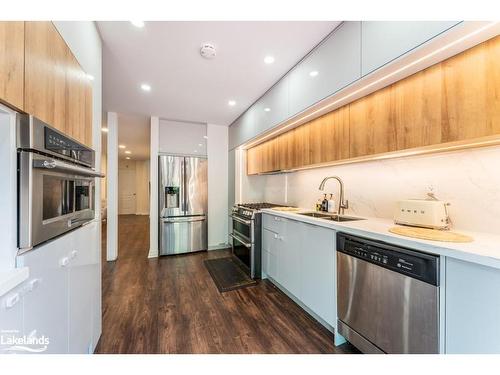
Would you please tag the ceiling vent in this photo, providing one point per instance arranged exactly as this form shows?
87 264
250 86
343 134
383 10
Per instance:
208 51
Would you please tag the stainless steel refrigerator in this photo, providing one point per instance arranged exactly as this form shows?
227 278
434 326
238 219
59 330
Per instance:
183 192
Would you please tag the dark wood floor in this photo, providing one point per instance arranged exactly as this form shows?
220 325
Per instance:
171 305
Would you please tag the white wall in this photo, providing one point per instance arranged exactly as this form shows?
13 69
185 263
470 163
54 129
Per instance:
217 146
142 184
153 193
468 179
112 187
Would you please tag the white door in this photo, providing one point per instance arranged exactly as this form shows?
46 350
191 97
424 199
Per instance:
126 191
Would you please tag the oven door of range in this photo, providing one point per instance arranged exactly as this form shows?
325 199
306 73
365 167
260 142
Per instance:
242 242
54 197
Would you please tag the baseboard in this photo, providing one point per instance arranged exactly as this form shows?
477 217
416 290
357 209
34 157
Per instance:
219 246
142 213
153 253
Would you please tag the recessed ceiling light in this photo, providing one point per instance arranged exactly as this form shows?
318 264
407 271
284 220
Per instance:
314 73
121 146
205 136
231 103
128 157
105 130
195 150
267 109
145 87
200 144
139 24
90 77
269 59
128 152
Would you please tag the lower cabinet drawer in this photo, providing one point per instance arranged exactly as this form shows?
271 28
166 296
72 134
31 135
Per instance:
274 223
270 242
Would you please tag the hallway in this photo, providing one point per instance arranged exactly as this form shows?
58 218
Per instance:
171 305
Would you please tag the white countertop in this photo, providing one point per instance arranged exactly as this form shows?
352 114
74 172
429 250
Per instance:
12 278
485 249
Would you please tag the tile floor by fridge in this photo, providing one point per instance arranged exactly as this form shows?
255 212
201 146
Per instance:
171 305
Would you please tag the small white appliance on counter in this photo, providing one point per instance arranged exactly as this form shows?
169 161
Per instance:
424 213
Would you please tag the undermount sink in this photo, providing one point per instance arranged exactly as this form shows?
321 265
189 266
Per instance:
332 217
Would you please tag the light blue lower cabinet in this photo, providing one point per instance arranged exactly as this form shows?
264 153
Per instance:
289 248
317 276
300 258
472 322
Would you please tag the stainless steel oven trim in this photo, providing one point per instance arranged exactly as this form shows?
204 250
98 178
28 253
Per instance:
241 235
58 165
31 233
241 240
242 221
31 136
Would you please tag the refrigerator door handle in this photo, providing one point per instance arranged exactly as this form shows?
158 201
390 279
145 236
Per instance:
183 219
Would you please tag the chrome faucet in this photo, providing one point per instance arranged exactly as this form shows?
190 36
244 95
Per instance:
342 205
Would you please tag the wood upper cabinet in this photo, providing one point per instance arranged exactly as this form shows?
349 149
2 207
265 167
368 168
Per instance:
12 63
457 100
470 97
329 137
372 127
56 88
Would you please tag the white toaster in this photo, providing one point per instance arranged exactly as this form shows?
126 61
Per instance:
424 213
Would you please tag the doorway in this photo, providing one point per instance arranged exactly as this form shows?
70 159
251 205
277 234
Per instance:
127 189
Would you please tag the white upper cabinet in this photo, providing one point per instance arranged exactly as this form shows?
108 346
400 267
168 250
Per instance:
243 129
333 65
272 108
384 41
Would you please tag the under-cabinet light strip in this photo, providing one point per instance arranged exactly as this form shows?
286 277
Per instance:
397 71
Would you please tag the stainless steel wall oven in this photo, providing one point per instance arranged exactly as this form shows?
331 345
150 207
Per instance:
56 182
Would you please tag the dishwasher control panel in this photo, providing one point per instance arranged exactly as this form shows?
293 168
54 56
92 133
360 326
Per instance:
421 266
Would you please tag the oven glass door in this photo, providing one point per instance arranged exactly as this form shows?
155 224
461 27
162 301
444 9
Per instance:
51 200
58 196
242 249
243 227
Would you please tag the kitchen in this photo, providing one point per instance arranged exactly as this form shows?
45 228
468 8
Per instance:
326 187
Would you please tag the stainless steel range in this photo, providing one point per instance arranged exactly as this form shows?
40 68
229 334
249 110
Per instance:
247 237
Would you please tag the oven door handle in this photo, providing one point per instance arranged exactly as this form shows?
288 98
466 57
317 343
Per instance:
57 165
247 222
246 244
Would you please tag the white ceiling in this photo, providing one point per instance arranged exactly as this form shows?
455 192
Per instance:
186 86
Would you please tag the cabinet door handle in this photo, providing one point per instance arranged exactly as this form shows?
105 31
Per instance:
33 284
73 255
64 262
12 300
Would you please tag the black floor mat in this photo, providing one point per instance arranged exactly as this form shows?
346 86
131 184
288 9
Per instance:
228 274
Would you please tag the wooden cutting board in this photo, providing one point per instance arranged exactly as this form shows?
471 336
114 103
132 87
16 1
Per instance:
286 209
431 234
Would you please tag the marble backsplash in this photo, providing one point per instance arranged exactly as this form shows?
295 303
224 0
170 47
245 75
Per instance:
469 180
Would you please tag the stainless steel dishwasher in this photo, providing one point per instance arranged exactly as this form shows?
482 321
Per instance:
387 296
